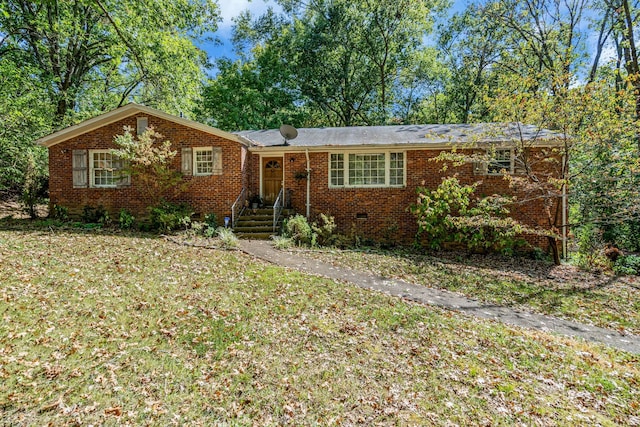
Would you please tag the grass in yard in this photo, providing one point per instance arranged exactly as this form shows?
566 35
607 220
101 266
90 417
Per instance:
563 291
123 329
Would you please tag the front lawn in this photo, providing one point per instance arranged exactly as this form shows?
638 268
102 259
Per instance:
102 328
562 291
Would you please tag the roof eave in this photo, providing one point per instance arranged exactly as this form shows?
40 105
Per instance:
401 145
124 112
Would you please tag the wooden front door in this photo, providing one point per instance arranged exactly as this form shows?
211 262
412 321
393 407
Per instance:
271 178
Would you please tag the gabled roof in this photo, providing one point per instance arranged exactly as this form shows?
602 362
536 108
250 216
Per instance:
124 112
414 135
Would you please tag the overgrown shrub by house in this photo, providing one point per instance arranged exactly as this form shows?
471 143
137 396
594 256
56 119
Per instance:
168 216
451 214
96 215
324 231
297 229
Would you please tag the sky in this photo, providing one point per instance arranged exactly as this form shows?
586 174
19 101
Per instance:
229 9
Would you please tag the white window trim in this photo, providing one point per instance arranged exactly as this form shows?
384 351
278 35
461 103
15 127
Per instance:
196 150
511 161
387 169
92 177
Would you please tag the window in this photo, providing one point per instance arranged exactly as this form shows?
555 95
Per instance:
203 161
337 170
382 169
500 160
142 124
396 169
106 170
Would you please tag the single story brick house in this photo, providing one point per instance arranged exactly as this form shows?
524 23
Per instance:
366 177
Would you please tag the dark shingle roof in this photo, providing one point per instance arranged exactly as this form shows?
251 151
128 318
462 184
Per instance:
402 134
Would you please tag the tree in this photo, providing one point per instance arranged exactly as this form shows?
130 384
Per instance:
113 50
149 164
472 44
249 96
24 116
342 60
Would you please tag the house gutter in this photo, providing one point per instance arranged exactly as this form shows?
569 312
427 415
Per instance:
306 153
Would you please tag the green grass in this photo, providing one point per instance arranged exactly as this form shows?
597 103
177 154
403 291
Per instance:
102 328
564 291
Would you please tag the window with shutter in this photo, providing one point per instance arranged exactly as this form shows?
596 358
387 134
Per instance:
106 170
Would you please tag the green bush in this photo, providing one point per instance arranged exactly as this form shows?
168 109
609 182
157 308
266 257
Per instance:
281 242
297 228
125 219
60 213
227 238
211 220
324 231
627 265
95 215
170 216
450 214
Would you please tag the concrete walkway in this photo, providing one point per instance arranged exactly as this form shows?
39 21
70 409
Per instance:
441 298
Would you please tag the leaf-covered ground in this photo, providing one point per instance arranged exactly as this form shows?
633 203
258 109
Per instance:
124 329
563 291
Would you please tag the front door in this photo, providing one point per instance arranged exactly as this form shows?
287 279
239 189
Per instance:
271 178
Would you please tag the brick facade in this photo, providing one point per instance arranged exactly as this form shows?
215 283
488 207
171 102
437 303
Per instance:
379 213
206 194
372 213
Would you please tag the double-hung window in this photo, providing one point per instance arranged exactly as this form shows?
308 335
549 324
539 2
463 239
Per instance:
375 169
501 159
203 160
106 169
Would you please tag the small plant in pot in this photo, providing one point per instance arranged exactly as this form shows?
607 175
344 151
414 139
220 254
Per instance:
255 201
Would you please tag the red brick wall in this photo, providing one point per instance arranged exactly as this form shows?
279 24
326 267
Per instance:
387 208
206 194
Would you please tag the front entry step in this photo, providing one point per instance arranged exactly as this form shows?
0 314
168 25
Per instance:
258 223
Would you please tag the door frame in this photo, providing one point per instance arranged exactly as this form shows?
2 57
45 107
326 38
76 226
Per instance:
263 157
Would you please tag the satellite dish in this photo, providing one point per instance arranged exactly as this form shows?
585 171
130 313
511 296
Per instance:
288 133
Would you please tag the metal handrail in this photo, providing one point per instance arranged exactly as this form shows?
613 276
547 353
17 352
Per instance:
237 207
278 205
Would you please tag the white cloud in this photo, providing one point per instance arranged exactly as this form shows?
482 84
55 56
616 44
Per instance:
231 8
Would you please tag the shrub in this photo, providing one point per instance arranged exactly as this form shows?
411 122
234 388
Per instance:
125 219
211 220
281 242
34 188
169 216
60 212
227 238
450 214
95 215
297 228
627 265
323 231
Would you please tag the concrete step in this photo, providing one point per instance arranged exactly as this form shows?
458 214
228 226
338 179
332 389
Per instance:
255 229
255 236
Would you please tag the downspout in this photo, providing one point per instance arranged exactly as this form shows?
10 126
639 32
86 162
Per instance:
306 153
